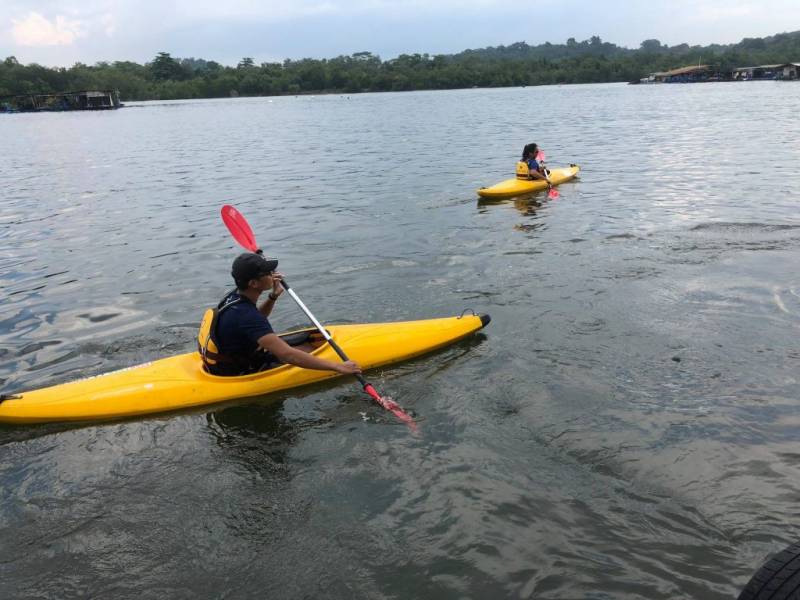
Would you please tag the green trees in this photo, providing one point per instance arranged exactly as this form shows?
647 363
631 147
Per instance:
590 60
652 46
166 68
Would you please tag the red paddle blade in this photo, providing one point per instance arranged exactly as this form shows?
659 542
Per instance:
239 228
392 406
552 193
540 156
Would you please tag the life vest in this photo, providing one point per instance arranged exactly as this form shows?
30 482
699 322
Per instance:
523 172
207 337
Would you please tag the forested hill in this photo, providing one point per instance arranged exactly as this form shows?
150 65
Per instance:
588 61
763 50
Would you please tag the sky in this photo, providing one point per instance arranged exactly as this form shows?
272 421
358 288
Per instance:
63 32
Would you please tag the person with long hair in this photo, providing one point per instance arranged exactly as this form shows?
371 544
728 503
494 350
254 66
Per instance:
529 167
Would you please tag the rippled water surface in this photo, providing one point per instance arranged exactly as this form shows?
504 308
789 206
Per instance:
627 427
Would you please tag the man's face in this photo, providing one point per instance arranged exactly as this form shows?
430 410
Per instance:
262 283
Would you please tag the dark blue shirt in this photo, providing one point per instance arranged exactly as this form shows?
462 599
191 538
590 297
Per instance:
533 166
239 327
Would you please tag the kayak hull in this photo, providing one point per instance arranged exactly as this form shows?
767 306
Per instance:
181 382
517 187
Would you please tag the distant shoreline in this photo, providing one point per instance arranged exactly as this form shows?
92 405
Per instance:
589 61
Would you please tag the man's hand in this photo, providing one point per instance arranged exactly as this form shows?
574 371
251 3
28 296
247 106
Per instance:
349 368
277 288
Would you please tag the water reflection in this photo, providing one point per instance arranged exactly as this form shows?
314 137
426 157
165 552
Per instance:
258 435
526 205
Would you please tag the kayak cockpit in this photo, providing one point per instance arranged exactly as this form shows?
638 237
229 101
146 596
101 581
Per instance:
307 340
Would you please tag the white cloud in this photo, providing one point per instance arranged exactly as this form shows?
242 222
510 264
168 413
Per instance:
35 30
284 10
275 10
109 24
716 12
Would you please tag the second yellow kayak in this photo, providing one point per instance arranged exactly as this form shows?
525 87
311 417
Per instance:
517 187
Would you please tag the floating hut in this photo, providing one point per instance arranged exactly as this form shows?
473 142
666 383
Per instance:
787 71
83 100
691 74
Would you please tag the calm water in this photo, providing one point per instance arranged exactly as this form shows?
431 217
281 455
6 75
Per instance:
627 427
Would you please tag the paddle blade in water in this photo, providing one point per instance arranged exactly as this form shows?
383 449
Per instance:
239 228
552 193
392 406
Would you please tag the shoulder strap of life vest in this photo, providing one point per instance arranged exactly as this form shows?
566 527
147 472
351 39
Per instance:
207 335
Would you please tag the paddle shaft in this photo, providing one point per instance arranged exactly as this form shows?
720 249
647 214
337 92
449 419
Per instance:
552 192
383 401
320 328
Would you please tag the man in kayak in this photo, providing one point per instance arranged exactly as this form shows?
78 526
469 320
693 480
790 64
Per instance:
529 167
244 338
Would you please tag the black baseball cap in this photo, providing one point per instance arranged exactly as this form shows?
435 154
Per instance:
249 266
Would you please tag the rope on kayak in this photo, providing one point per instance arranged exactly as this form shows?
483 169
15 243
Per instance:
463 312
4 397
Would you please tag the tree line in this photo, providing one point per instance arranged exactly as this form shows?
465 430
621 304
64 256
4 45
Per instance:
588 61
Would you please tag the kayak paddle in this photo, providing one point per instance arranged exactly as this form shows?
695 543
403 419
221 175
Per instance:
242 232
552 192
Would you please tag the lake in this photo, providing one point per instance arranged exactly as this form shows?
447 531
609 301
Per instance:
627 427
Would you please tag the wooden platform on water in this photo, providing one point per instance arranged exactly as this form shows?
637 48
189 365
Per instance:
82 100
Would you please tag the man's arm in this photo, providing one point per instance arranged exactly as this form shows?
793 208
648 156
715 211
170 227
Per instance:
267 306
285 353
277 289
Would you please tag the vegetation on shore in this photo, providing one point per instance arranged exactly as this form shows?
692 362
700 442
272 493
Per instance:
589 61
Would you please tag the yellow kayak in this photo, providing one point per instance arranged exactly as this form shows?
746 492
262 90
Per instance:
181 382
516 187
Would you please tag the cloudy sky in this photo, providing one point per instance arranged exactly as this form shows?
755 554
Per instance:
62 32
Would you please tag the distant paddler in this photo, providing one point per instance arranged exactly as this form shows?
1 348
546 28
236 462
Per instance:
529 166
531 176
